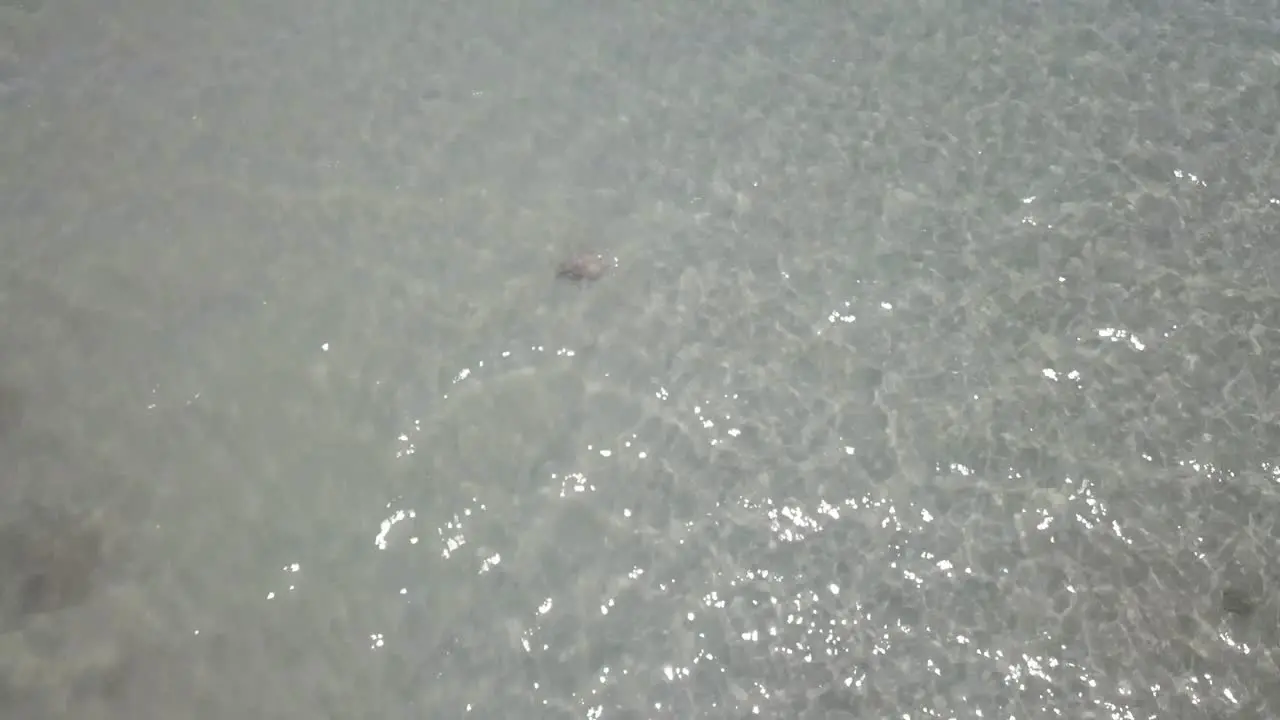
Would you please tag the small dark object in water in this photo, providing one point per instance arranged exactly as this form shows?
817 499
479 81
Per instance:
47 561
587 266
1237 602
10 411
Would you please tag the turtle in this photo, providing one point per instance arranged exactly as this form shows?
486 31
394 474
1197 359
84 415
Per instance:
586 266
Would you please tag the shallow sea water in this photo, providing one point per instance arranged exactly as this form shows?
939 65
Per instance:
935 377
